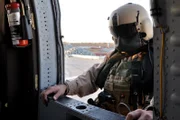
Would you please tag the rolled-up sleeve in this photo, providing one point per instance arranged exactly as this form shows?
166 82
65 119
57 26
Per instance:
85 83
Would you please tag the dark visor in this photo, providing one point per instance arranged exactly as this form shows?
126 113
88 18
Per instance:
124 31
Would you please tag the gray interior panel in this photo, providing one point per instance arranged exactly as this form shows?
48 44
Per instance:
171 60
47 44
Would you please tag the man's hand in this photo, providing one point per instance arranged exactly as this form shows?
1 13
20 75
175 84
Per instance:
58 90
140 114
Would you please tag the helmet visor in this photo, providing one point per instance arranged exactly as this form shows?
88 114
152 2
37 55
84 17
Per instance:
124 31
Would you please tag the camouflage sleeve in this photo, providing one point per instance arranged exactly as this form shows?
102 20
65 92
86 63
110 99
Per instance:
150 106
85 83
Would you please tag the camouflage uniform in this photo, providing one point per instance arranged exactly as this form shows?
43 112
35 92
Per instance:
116 84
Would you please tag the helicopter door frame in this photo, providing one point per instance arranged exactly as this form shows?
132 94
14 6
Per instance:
51 68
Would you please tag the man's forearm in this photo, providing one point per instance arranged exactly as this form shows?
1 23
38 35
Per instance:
85 83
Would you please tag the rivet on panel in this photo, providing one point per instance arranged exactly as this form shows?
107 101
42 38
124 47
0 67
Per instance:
157 73
165 111
157 48
157 103
175 69
157 97
174 40
157 65
157 89
166 82
166 74
173 90
166 105
173 79
175 98
166 48
172 20
157 81
167 66
173 50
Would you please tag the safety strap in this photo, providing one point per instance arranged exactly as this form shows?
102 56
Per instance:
135 84
142 81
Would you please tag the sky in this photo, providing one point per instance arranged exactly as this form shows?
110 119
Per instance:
86 20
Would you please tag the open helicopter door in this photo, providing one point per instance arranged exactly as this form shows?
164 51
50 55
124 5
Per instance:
32 58
51 68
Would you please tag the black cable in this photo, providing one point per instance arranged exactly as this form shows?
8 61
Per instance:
123 104
149 53
60 49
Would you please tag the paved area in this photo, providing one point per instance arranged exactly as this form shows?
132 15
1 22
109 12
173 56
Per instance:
75 67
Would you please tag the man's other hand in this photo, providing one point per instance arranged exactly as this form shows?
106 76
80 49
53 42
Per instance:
140 114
